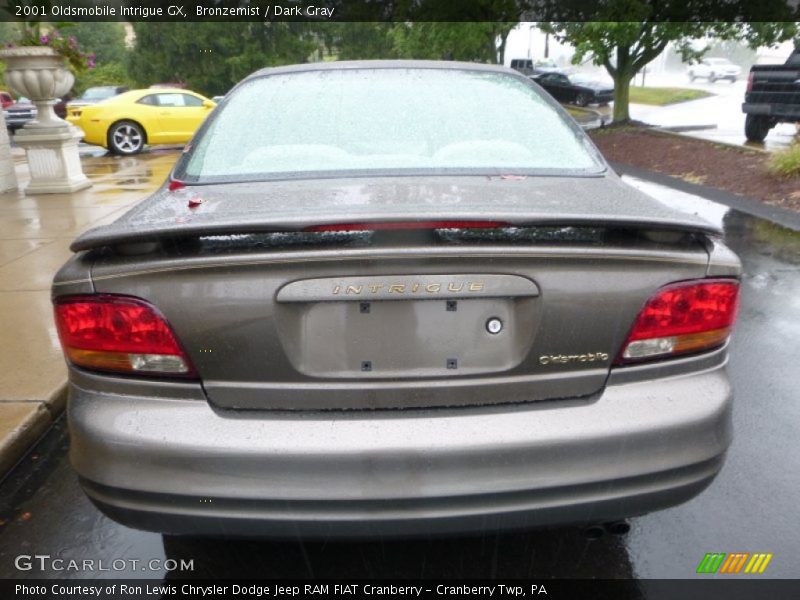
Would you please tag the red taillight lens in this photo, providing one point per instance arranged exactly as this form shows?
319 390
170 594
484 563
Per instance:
682 318
750 82
119 333
401 225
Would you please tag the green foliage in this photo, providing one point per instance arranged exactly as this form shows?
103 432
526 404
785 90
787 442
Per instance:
114 73
468 41
358 41
785 162
211 57
34 33
476 42
662 96
105 40
8 32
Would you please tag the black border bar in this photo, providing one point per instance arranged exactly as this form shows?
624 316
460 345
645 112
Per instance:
552 589
402 10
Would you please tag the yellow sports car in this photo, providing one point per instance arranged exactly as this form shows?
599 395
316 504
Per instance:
125 123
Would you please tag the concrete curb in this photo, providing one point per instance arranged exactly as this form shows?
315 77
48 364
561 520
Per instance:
594 117
685 128
22 425
781 216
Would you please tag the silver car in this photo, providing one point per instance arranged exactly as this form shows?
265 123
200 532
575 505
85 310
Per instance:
395 298
713 69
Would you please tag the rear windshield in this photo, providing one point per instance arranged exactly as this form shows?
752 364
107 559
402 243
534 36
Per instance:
373 121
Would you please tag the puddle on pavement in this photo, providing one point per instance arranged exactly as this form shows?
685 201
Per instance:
141 173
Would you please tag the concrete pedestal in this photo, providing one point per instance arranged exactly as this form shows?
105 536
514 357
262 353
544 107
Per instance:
53 159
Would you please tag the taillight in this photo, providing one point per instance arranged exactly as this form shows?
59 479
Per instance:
406 225
683 318
120 334
750 81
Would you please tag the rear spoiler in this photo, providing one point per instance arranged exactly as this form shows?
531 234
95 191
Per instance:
235 209
99 238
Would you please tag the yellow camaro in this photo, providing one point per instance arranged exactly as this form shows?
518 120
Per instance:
125 123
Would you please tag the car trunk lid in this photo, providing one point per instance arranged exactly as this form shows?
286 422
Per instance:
443 316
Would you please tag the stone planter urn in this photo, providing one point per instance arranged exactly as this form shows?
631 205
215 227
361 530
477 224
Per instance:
51 144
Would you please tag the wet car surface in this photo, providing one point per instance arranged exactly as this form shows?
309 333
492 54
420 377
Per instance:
750 508
414 423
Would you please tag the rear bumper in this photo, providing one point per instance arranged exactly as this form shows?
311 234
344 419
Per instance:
177 466
789 112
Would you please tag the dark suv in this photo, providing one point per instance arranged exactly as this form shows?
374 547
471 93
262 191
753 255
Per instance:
772 97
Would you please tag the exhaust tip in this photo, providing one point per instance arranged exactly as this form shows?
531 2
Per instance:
594 532
617 527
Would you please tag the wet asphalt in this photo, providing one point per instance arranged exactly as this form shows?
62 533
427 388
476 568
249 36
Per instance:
751 507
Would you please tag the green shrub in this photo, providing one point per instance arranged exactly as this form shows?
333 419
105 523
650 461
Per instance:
104 74
786 162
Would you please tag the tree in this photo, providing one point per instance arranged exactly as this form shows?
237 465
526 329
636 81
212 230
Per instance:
474 41
105 40
625 48
477 42
210 57
114 73
359 41
8 33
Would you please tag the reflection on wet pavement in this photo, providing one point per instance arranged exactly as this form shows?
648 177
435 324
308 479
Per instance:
751 507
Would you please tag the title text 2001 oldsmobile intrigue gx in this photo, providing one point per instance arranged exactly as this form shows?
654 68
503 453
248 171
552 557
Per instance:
402 298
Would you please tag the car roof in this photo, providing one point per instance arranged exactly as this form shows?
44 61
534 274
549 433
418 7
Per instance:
136 94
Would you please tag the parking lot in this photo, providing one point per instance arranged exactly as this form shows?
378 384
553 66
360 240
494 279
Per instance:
751 507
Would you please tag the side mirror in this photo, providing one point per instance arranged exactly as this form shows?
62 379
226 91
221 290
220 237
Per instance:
208 104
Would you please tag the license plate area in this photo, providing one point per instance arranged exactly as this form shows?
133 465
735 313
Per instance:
410 338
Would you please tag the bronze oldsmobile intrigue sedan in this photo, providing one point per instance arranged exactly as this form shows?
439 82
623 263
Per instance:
394 298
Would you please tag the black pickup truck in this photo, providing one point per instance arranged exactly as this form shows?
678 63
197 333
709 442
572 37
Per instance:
772 97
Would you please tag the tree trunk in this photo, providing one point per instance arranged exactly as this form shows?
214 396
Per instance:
622 92
501 51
